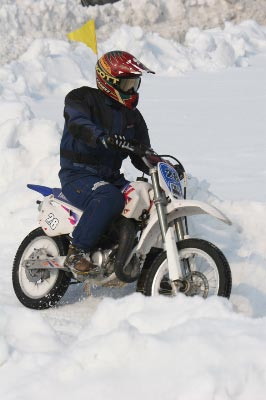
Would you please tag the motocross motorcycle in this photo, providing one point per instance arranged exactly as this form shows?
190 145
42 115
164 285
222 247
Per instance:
149 243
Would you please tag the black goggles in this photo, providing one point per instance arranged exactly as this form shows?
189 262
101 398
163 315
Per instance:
129 85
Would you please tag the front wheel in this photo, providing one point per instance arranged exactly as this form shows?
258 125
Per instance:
39 288
206 271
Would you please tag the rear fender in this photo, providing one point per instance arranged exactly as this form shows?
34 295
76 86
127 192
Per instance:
57 217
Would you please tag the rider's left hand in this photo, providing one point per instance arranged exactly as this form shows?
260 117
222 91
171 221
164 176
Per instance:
114 141
118 141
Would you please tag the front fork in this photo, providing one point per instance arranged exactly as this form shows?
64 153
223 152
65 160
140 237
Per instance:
170 232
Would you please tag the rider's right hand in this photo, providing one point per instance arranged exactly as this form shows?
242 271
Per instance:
120 142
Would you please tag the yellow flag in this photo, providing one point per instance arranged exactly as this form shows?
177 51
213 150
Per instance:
85 34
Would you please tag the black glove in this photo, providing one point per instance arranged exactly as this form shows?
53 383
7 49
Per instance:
141 149
114 141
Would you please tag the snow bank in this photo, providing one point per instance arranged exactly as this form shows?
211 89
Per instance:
147 342
205 50
23 21
137 345
49 65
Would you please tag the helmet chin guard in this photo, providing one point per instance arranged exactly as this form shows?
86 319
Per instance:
118 75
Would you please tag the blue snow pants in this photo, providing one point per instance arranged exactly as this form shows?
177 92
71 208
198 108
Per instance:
100 201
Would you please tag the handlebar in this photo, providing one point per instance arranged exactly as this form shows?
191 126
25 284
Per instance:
150 157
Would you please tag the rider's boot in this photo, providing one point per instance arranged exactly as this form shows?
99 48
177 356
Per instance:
76 261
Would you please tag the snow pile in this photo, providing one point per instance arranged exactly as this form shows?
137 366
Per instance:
30 145
143 347
48 63
206 50
21 22
45 69
243 243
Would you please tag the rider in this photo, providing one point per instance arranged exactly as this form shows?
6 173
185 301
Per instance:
90 160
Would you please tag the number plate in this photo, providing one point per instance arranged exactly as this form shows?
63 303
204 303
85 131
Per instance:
52 221
171 180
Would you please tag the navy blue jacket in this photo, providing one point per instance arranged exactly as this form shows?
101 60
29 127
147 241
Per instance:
88 114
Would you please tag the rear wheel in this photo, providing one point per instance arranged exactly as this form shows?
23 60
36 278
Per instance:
206 271
39 288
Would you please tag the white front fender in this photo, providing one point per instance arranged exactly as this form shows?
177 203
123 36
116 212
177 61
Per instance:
183 208
176 209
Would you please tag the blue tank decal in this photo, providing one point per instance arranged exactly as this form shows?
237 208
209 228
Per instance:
171 179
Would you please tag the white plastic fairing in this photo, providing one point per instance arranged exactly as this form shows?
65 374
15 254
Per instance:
193 207
137 197
151 235
58 218
169 181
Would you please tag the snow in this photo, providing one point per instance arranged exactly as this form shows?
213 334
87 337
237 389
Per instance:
21 21
205 105
128 349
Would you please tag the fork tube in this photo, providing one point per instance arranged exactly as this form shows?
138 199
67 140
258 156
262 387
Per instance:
160 202
179 227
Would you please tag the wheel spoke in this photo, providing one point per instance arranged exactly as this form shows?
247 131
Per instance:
39 288
43 246
201 273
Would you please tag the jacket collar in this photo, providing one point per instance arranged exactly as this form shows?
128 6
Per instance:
110 102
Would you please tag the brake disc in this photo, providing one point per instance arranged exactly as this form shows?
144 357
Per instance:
37 275
194 284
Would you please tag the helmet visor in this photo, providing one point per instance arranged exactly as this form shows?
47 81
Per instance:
129 85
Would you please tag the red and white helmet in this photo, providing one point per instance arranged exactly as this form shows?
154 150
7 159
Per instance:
118 75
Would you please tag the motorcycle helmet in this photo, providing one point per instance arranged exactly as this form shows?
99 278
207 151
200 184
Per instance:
118 75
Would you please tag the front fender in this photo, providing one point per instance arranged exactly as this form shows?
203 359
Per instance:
183 208
151 236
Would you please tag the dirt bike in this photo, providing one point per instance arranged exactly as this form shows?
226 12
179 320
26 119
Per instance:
149 243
